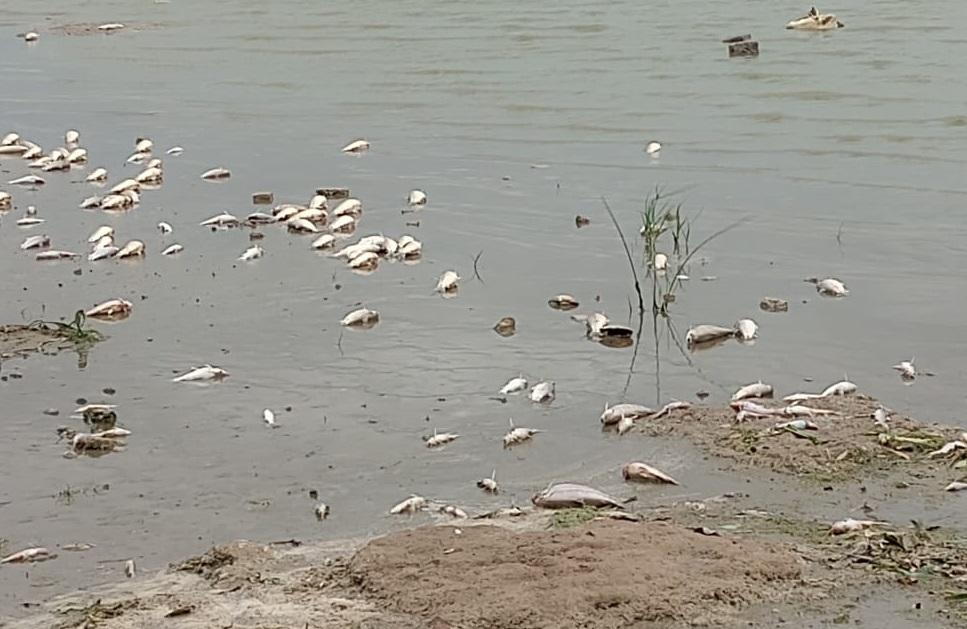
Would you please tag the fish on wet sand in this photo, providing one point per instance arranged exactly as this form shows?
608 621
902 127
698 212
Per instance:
746 329
411 505
674 405
625 424
56 255
754 390
324 242
639 472
202 374
830 286
815 21
542 392
132 249
251 253
101 232
360 317
110 308
269 418
489 485
416 197
448 282
29 555
453 511
322 511
567 495
35 242
440 438
850 525
518 434
613 414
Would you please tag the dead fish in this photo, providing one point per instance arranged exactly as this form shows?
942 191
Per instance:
5 200
563 302
91 202
216 173
56 255
321 511
110 27
318 202
96 175
113 433
795 410
129 568
171 250
797 424
367 260
416 197
706 333
165 228
138 157
120 201
175 151
613 414
542 392
453 511
357 146
86 442
10 139
29 221
754 390
411 505
102 253
343 224
35 242
286 211
29 555
906 369
324 242
746 329
110 308
260 218
881 417
93 408
311 215
349 207
956 486
947 448
27 180
653 148
844 387
518 435
131 249
674 405
514 385
849 525
447 282
409 247
101 232
151 174
360 317
356 249
625 424
205 372
815 21
567 495
439 439
77 156
56 165
221 220
33 152
746 408
124 185
251 253
13 149
269 418
644 473
489 485
31 37
143 145
831 287
78 547
660 263
507 326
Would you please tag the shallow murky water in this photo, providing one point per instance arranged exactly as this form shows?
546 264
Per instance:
841 152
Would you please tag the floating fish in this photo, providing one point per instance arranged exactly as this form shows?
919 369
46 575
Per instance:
29 555
453 511
205 372
489 485
110 27
357 146
27 180
96 175
416 197
32 152
660 262
216 173
563 302
754 390
644 473
31 36
14 149
514 385
613 414
172 249
343 224
507 326
174 151
321 511
269 418
906 369
361 317
91 202
143 145
56 255
301 225
110 308
138 157
72 137
746 329
956 486
653 148
10 139
706 333
35 242
222 220
518 434
568 495
260 218
830 287
348 207
312 215
542 392
150 175
101 232
815 21
77 156
409 247
411 505
251 253
439 439
324 242
131 249
318 202
165 228
367 260
447 282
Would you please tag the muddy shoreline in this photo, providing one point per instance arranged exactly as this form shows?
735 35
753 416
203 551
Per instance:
673 563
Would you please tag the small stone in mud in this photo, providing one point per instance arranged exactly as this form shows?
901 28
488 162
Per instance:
774 304
77 271
313 494
81 401
702 395
53 412
262 198
581 221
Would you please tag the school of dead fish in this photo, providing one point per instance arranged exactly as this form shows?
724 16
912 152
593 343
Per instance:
330 226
